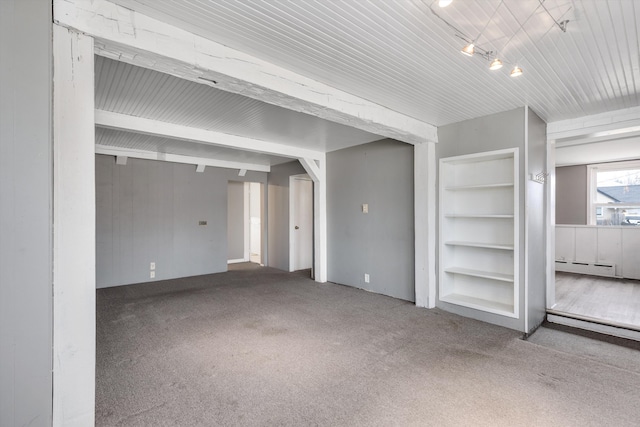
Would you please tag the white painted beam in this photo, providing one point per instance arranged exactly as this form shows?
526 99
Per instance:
74 246
425 223
135 38
612 124
318 173
177 158
110 120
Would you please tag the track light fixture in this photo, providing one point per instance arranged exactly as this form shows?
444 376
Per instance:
468 50
496 64
471 47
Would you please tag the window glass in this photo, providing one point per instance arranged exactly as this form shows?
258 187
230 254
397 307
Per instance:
617 200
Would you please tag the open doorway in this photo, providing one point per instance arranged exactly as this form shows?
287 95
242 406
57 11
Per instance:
301 223
244 222
597 235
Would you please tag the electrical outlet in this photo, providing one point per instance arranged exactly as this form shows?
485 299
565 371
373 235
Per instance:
152 275
152 266
366 278
202 222
365 208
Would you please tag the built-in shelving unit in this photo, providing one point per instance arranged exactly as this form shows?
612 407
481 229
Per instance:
479 231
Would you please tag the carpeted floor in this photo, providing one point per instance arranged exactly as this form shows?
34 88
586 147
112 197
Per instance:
263 347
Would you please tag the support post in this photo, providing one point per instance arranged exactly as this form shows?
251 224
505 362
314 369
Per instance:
425 223
74 287
318 172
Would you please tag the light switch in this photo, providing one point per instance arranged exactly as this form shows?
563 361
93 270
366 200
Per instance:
152 274
152 266
365 208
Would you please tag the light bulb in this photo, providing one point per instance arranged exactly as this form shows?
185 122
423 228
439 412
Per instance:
468 49
517 71
444 3
496 64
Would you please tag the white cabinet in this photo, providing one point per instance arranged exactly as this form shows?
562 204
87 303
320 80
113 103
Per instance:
479 231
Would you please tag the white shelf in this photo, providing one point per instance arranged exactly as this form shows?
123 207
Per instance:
479 187
479 273
480 245
480 304
497 216
479 231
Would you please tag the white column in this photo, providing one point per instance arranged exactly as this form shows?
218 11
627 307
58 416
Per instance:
425 223
318 173
74 287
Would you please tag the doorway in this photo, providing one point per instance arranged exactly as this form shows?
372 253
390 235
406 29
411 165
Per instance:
300 222
244 222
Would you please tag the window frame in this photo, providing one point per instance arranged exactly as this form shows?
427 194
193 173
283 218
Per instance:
592 187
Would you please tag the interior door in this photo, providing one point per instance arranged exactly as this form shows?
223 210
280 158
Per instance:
301 223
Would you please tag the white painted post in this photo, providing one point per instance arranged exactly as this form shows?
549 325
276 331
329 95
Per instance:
318 173
74 216
425 223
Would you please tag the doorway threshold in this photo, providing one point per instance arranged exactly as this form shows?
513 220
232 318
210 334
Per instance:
593 324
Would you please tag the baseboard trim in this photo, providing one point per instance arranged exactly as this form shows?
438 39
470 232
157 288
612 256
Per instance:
595 325
236 261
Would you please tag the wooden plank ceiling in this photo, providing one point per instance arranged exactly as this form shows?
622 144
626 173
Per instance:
401 55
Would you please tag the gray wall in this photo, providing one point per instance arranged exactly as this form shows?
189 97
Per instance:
535 215
235 220
493 132
25 213
380 243
149 211
278 221
571 195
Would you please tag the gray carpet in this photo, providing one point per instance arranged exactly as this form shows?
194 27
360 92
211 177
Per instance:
259 347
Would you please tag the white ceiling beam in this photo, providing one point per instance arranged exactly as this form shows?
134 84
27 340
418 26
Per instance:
178 158
610 125
137 39
107 119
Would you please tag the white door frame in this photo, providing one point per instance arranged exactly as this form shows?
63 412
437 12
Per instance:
292 234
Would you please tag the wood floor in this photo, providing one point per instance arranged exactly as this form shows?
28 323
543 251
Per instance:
613 300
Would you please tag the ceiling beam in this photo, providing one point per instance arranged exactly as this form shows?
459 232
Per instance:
598 127
132 37
178 158
110 120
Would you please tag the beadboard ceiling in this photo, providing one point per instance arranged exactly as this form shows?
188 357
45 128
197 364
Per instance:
401 55
141 92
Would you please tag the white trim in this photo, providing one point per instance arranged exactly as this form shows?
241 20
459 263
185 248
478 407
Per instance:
318 172
177 158
236 261
550 216
424 188
74 245
525 190
246 204
135 38
110 120
611 124
594 325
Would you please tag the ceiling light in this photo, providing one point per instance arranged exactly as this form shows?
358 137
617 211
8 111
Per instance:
496 64
444 3
517 71
468 49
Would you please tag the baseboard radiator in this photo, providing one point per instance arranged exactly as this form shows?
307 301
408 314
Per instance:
594 269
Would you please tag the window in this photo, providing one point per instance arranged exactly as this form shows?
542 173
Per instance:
614 194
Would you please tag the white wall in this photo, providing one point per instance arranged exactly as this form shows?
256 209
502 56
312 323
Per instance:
149 211
25 213
592 244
